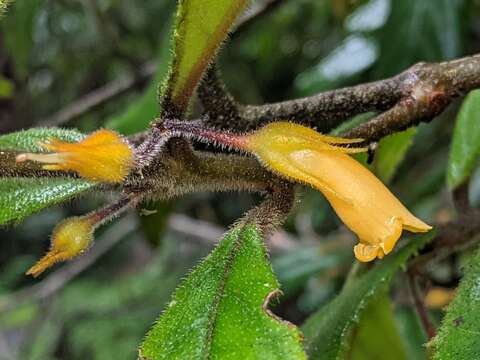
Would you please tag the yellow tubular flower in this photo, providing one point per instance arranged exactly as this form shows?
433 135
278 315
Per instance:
361 201
69 239
102 156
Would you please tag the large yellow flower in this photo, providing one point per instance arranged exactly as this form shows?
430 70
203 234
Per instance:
361 201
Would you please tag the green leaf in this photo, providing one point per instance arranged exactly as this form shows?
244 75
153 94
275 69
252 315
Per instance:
390 153
376 322
459 333
466 141
219 310
326 330
201 26
28 140
412 332
20 197
138 115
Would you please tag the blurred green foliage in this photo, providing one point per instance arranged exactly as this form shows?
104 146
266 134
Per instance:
326 330
54 52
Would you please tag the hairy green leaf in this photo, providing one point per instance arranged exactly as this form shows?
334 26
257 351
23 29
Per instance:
459 333
390 153
377 322
326 331
219 312
20 197
201 27
28 140
466 141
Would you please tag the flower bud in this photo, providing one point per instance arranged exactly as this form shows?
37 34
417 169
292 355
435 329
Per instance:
361 201
70 238
102 156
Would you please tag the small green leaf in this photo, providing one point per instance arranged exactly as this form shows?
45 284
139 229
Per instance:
377 322
390 153
20 197
219 310
326 331
201 26
460 330
466 141
28 140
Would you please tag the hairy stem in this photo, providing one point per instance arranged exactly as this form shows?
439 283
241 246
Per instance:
179 170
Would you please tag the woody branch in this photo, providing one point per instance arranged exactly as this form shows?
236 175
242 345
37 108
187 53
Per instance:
418 94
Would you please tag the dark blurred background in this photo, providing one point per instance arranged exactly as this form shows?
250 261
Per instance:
58 54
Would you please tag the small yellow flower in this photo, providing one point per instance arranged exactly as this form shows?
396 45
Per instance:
69 239
102 156
361 201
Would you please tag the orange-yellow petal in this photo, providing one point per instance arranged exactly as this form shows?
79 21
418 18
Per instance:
102 156
361 201
366 253
69 239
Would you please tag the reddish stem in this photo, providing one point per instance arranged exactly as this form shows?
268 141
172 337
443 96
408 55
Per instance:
420 307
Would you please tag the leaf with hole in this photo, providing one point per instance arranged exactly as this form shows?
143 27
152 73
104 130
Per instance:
219 311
